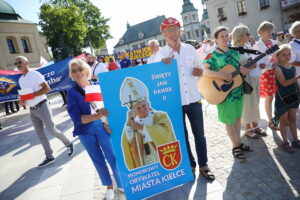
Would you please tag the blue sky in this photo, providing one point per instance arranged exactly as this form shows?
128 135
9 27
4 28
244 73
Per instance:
119 12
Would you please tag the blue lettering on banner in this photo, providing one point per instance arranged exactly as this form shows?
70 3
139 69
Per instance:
167 165
56 75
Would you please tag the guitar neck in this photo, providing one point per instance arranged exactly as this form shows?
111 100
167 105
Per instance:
251 62
248 64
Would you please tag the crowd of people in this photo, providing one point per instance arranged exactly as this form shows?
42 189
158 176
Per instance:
274 76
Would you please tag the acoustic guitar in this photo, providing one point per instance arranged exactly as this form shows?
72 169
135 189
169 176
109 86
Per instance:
215 90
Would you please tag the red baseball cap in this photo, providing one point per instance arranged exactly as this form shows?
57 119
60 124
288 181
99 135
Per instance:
170 21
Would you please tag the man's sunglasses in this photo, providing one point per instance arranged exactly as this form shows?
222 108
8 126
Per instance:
18 63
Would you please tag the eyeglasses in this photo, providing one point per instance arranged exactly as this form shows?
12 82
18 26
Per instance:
18 63
171 30
80 69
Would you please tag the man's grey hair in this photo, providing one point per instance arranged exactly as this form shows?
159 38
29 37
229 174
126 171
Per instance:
123 51
153 41
22 58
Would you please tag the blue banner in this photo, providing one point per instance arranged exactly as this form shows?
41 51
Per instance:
145 116
56 75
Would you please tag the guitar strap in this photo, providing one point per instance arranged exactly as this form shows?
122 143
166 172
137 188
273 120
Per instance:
229 56
296 41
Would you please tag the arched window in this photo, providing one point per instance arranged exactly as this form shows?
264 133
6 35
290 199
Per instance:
12 45
26 45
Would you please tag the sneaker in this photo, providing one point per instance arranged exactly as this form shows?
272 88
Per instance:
121 190
109 194
46 162
70 150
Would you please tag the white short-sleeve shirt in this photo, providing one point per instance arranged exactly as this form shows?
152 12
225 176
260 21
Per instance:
155 57
296 54
33 79
98 68
187 59
260 46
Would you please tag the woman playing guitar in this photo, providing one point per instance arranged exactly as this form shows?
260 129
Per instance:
230 110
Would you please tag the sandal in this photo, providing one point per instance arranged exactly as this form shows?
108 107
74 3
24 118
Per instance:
287 147
245 148
250 133
259 131
296 143
272 126
208 175
237 152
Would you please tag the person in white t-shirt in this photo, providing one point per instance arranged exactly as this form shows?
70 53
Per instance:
40 112
96 67
155 49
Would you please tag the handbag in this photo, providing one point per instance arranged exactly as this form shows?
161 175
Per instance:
290 98
247 88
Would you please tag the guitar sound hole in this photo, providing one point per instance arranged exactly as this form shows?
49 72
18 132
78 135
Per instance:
226 87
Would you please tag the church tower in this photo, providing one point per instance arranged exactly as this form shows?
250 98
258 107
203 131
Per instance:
191 24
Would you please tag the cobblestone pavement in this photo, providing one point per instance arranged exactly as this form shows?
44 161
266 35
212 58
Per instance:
267 173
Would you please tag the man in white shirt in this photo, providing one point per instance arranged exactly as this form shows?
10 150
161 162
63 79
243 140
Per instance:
96 67
154 47
189 70
40 112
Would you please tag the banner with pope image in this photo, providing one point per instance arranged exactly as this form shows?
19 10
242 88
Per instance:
147 130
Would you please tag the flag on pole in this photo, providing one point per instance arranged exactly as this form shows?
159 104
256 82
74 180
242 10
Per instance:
205 34
43 61
93 93
26 94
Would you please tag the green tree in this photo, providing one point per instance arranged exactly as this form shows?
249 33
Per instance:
64 28
98 29
96 25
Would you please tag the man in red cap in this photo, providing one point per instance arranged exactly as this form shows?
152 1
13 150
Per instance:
189 70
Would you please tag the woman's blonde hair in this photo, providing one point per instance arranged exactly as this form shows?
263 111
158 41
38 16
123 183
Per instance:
238 32
265 26
293 28
86 68
283 47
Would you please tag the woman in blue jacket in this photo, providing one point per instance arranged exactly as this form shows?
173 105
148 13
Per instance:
89 127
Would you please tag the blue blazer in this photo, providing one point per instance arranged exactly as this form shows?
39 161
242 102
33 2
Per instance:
77 107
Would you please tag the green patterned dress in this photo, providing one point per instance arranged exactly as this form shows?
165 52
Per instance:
232 107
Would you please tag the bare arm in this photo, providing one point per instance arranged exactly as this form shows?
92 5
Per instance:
212 74
44 90
280 77
85 119
296 64
94 77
